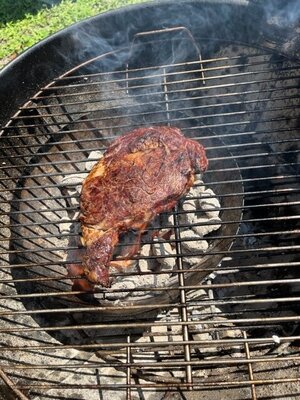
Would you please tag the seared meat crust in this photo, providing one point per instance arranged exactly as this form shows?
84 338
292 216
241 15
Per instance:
142 174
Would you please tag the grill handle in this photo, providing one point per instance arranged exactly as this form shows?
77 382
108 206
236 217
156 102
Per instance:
175 29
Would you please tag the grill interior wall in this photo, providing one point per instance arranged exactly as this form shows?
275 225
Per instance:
242 320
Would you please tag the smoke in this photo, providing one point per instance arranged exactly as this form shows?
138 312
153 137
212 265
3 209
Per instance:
282 24
282 13
96 37
123 30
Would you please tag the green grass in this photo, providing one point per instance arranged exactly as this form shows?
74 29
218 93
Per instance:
16 36
12 10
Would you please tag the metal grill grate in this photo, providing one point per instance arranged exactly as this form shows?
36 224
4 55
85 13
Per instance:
228 323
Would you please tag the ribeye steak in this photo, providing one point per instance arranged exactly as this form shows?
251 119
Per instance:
143 173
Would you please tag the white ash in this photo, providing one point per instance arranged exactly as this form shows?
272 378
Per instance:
276 339
206 336
199 217
162 248
207 206
193 245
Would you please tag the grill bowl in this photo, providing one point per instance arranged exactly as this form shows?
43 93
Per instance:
234 339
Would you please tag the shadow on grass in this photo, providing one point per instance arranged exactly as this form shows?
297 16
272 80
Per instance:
14 10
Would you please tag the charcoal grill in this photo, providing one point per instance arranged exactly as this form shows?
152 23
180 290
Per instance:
227 74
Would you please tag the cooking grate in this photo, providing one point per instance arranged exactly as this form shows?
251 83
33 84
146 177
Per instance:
232 325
